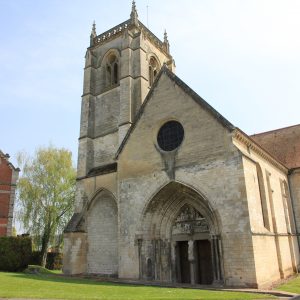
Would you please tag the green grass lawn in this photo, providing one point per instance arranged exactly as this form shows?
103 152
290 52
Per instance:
21 285
33 269
293 286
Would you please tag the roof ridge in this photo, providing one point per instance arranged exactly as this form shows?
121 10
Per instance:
274 130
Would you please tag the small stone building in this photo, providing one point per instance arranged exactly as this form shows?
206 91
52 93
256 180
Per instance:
8 178
168 190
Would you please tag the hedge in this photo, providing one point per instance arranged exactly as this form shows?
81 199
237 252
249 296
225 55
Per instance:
15 253
36 258
54 261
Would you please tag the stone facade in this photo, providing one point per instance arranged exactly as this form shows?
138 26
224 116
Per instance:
215 208
8 178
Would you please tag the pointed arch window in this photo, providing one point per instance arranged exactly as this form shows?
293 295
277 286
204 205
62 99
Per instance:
112 70
153 70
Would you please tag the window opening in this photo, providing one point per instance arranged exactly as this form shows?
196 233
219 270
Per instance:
153 70
112 70
116 77
170 136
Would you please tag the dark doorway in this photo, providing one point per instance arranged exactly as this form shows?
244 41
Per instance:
204 262
184 264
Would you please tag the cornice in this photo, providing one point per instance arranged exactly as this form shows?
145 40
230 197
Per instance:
240 136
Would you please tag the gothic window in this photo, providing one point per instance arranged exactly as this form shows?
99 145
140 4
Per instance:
153 70
112 70
170 136
116 74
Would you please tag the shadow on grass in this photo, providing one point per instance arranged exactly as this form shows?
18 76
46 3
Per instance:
86 289
83 281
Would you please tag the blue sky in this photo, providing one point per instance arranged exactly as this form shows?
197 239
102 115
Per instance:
241 56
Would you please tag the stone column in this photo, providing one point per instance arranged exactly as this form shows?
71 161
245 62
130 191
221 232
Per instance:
175 263
216 259
139 244
191 257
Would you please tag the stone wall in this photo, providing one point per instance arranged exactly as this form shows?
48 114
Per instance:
281 258
123 216
102 236
106 110
74 258
206 161
294 183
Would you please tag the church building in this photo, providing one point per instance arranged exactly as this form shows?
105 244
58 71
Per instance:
168 190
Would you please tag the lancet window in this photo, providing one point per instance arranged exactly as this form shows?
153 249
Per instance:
112 70
153 70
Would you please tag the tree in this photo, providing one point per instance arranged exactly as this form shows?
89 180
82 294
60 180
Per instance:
14 231
46 193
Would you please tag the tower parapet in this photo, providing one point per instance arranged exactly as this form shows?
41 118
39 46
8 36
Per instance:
129 25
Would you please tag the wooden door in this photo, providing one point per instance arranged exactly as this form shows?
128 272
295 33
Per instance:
205 270
185 273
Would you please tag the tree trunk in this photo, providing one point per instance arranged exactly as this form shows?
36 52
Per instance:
45 243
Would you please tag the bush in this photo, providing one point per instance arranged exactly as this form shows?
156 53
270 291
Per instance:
54 261
15 253
36 258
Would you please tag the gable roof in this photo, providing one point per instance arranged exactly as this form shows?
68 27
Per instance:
164 70
6 157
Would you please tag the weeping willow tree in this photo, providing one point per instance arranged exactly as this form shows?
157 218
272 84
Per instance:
46 193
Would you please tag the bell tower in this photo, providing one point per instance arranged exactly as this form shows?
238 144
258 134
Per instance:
120 67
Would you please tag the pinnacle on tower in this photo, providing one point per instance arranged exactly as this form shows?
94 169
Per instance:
165 36
93 34
166 42
134 14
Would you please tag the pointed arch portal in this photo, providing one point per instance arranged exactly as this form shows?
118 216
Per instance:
179 238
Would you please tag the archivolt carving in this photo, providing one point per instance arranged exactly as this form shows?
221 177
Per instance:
189 221
168 204
174 213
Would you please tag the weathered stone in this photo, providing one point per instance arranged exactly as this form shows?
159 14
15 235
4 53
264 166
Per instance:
215 209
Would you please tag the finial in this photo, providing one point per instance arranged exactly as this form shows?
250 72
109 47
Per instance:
166 42
94 29
134 14
165 36
93 34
